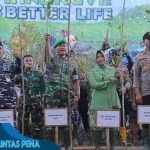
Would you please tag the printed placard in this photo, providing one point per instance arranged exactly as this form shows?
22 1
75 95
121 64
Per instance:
7 116
144 114
108 118
56 117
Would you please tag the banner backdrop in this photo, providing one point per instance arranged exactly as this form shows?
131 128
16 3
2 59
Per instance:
92 21
89 10
89 18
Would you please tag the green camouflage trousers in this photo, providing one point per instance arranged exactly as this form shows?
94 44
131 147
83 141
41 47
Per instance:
60 100
33 118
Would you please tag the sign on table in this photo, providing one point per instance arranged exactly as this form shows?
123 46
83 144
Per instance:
7 116
108 118
144 114
56 117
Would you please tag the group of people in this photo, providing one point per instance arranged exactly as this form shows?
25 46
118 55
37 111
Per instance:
49 89
131 81
39 90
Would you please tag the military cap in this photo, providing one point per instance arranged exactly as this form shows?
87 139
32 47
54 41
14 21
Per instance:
146 36
59 41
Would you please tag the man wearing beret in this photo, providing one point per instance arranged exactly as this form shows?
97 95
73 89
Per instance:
141 82
56 77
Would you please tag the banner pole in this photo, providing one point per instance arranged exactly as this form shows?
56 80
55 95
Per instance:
56 134
107 139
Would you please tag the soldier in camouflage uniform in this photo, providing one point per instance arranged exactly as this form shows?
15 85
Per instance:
7 88
56 93
34 88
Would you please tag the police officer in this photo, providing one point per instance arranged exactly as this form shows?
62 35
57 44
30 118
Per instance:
141 82
56 93
7 88
34 88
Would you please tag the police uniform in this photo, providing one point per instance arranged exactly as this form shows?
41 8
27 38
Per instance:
34 89
142 72
141 79
7 91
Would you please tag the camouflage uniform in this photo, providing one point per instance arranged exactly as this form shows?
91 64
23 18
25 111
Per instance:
7 91
56 93
34 89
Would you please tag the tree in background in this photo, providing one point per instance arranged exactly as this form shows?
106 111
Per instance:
28 37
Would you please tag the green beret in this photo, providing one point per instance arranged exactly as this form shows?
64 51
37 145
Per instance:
59 41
